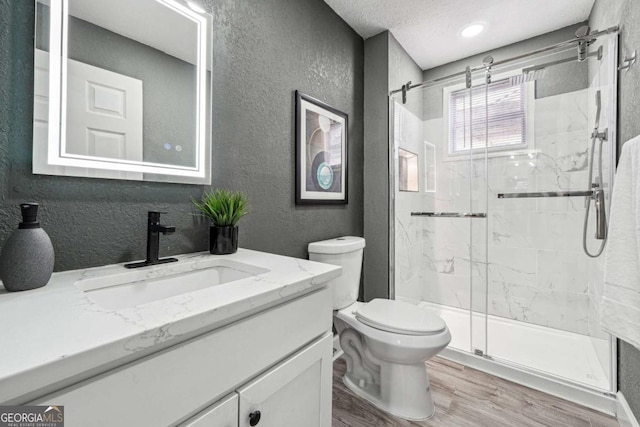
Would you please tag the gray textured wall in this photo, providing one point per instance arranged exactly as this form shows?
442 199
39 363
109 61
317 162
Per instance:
376 168
387 66
626 13
263 51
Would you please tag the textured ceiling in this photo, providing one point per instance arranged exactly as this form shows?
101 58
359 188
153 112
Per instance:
429 30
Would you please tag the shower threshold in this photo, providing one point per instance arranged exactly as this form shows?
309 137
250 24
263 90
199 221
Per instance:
561 363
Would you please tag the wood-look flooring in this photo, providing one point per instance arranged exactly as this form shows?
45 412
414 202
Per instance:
465 397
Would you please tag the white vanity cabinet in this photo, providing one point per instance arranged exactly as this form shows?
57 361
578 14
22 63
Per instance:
277 362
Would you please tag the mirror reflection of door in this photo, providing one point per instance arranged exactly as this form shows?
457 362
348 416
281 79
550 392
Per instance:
104 113
92 133
407 170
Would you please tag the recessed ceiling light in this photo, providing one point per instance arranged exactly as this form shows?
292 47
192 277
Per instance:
472 30
195 7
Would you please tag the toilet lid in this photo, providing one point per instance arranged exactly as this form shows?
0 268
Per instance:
400 317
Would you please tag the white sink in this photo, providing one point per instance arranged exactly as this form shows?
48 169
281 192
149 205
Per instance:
148 284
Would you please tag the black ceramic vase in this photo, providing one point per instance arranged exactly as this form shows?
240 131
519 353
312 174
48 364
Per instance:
223 240
27 258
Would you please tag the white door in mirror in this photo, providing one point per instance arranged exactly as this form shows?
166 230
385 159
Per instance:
104 117
102 96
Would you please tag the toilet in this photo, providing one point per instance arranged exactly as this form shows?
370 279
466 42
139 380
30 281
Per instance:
385 342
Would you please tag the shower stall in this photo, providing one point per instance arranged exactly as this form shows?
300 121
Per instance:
500 179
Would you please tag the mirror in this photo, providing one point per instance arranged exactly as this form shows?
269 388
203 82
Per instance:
122 90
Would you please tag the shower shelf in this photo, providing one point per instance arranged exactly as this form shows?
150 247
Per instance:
587 193
451 214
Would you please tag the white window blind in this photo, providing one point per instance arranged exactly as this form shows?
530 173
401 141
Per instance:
505 107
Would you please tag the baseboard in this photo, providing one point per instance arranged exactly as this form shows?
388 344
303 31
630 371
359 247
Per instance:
626 418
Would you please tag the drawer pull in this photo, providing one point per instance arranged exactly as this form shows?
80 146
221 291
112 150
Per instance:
254 418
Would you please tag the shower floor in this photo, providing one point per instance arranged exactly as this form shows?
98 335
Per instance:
559 353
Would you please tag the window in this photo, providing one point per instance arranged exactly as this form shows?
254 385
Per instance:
506 106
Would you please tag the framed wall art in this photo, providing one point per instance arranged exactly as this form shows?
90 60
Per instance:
321 152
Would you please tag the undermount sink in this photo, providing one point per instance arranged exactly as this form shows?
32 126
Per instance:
132 288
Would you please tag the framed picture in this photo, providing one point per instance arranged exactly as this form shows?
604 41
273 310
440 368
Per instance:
321 152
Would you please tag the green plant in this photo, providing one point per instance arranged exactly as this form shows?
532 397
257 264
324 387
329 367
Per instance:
223 207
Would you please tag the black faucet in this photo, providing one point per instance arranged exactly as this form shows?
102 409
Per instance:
154 228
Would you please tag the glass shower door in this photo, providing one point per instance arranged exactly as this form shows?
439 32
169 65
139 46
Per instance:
437 203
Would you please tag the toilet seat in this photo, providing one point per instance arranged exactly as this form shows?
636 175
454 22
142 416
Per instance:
405 341
399 317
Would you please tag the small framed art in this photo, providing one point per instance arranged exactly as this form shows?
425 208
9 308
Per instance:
321 152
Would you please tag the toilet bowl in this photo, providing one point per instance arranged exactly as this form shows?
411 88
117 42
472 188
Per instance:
387 367
385 342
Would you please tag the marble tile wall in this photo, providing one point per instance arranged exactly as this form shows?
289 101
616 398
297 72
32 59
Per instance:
527 254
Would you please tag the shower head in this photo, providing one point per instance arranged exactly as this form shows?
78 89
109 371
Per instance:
582 44
527 76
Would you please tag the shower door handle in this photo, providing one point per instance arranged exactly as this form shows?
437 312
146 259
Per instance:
451 214
588 193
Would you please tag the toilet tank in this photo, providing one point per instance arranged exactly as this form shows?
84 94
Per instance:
347 253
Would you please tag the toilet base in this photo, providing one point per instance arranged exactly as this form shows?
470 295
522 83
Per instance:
404 391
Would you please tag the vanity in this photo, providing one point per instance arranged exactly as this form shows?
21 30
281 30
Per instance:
223 341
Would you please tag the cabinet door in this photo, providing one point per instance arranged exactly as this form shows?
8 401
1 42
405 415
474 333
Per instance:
295 393
223 413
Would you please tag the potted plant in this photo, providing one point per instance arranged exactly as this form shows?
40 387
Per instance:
224 209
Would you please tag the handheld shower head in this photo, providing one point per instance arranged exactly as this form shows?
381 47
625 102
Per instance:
582 44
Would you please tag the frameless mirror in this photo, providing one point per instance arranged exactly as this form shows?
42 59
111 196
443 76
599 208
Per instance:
122 90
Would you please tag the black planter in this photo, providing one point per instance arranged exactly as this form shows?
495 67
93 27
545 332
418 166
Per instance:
223 240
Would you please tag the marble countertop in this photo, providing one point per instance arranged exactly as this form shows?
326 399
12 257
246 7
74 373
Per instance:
56 335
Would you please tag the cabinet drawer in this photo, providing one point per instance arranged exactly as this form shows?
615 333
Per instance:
295 393
169 386
220 414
